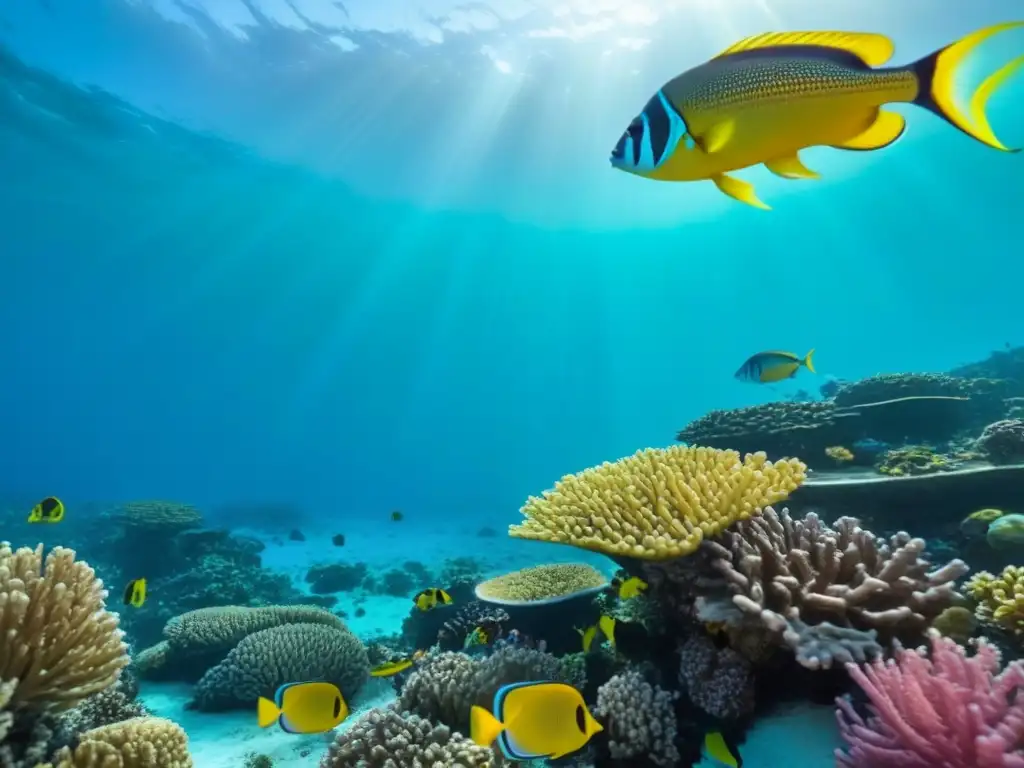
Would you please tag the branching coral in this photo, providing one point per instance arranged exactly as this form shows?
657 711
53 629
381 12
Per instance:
542 584
947 710
659 503
639 719
826 591
718 681
386 738
446 685
58 645
265 660
144 742
999 599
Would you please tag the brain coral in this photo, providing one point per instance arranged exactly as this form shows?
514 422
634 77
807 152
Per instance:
542 584
142 742
267 659
658 504
58 643
220 629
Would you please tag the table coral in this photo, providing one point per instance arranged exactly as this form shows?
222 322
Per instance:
826 591
947 710
657 504
542 584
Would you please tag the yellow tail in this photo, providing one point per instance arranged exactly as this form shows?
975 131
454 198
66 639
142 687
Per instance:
607 624
266 712
483 727
809 362
936 74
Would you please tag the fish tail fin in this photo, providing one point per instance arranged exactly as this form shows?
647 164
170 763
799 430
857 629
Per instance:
267 712
483 726
809 361
937 71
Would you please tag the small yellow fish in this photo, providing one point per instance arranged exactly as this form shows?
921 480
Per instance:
605 626
390 668
767 97
135 593
535 720
630 588
304 708
431 598
49 510
396 516
479 636
419 655
716 748
770 367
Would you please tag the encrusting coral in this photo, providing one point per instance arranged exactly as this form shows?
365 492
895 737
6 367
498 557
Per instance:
142 742
266 660
542 584
387 738
657 504
826 591
59 645
937 709
639 720
999 599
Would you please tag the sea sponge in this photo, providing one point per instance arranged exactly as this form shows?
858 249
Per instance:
658 504
220 629
58 643
1006 532
999 599
639 719
266 660
542 584
142 742
386 738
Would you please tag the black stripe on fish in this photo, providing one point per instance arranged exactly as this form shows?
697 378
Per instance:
581 720
337 706
659 127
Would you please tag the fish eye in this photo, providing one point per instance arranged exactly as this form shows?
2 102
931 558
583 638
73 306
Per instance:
636 128
581 720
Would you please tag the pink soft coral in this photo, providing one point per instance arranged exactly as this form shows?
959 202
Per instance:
948 711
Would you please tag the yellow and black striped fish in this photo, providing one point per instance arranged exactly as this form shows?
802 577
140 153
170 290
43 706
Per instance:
49 510
135 593
769 96
430 598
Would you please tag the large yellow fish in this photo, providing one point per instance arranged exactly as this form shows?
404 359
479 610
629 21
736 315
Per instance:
769 96
313 707
535 720
49 510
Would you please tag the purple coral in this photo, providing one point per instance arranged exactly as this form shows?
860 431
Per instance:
717 681
949 711
1003 441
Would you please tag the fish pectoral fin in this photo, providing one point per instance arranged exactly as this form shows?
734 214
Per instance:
886 128
790 168
716 137
738 189
873 49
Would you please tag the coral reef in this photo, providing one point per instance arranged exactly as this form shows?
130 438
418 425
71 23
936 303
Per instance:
142 742
336 577
446 685
999 600
639 720
106 707
542 584
892 386
659 503
913 460
946 710
718 681
827 591
1006 532
1003 441
977 523
468 617
387 738
265 660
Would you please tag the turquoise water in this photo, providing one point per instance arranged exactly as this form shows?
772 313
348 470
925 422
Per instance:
371 256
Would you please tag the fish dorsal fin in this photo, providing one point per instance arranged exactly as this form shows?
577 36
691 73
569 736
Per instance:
873 49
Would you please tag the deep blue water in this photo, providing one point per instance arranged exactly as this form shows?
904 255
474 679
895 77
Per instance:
386 265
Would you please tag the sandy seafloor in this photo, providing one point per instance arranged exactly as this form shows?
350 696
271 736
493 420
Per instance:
223 740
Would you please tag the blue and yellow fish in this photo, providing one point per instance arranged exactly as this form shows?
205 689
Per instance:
770 367
304 708
49 510
430 598
135 593
535 720
767 97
